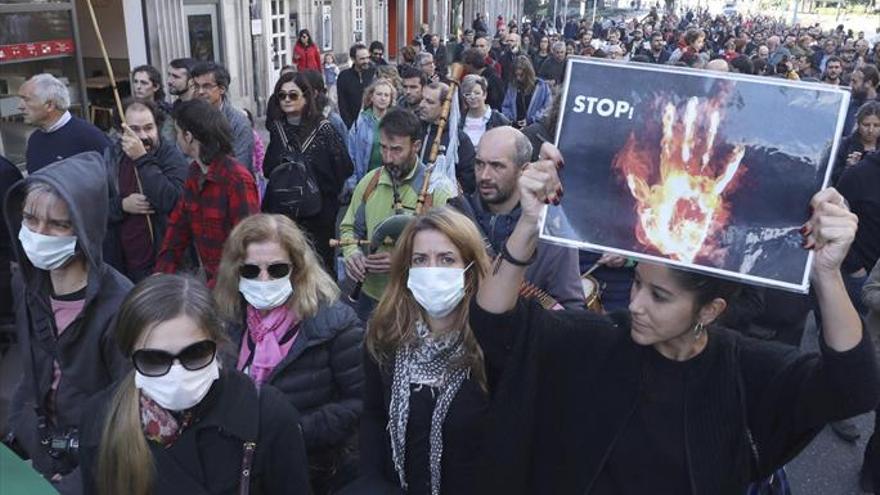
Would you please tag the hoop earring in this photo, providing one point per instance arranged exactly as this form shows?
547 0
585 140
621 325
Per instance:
698 330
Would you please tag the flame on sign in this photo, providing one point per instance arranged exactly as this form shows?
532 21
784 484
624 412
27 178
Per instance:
679 183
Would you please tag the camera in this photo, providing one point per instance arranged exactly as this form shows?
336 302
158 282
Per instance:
64 443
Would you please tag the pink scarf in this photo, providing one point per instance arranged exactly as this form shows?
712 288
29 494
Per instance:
266 332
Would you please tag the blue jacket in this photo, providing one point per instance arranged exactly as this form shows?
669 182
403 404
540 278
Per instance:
361 137
539 105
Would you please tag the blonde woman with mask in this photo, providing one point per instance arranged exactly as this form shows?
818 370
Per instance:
180 422
425 396
292 332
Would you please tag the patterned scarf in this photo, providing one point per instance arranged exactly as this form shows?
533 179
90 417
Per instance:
160 425
428 361
267 332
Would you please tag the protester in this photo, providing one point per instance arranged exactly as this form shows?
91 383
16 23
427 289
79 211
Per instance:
475 63
324 104
870 472
351 83
833 72
527 97
180 82
146 84
211 82
9 175
331 74
484 45
305 52
542 53
363 138
865 84
438 54
181 422
864 139
425 390
479 116
377 196
294 334
430 109
303 128
553 69
218 192
44 103
501 156
649 366
413 81
146 176
377 53
65 300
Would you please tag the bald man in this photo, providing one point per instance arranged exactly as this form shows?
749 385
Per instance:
494 207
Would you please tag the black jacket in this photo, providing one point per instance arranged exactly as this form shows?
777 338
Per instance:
322 376
162 174
207 457
860 184
86 352
573 379
495 89
9 175
464 168
350 92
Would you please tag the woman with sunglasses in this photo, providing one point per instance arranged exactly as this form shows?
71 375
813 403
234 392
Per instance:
479 117
659 399
425 397
293 333
298 120
305 52
180 422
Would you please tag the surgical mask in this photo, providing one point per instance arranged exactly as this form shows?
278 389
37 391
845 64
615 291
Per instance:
267 294
179 389
438 290
47 252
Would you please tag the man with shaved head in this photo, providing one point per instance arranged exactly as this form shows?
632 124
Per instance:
502 155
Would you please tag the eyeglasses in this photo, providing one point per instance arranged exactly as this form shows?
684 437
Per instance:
204 87
292 96
153 362
275 270
377 54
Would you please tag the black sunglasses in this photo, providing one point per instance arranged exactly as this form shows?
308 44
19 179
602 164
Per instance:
153 362
292 96
275 270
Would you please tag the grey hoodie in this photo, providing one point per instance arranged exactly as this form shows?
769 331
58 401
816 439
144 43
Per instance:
86 352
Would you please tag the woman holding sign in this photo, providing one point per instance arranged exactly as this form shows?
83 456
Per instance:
658 399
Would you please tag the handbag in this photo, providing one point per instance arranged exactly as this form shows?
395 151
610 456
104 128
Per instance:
292 189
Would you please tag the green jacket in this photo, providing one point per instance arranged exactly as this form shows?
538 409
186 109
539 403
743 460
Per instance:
362 218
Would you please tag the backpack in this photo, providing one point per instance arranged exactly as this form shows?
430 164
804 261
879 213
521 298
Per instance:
293 189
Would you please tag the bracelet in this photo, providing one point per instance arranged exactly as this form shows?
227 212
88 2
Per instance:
506 256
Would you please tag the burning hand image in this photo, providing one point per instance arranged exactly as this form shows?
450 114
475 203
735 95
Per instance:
681 179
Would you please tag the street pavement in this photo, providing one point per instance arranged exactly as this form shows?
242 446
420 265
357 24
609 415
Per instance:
829 465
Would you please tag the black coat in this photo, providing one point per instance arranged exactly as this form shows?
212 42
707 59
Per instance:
573 379
350 92
207 457
322 376
495 89
859 185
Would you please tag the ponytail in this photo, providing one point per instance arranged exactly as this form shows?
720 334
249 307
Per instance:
125 464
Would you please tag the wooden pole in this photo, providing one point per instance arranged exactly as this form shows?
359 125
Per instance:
116 98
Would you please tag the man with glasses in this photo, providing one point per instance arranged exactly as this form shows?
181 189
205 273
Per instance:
211 83
351 83
377 52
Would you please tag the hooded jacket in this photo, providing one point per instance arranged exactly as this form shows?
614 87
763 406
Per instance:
162 173
86 352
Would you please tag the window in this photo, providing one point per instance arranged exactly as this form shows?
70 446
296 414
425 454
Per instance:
359 21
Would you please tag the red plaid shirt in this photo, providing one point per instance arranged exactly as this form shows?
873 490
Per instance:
212 204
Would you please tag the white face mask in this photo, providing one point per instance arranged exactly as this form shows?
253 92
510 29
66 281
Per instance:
47 252
180 388
437 290
265 294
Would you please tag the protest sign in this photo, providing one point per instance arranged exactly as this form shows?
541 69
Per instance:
701 170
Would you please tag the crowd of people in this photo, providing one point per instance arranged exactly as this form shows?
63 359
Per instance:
362 306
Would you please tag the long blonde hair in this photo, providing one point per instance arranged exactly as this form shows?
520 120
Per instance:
393 323
125 463
312 286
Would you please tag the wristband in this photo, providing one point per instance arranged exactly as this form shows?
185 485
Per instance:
506 256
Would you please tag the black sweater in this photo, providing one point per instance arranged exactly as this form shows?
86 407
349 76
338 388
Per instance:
572 381
860 184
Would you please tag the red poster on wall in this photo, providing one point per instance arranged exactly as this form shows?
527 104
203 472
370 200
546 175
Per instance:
24 51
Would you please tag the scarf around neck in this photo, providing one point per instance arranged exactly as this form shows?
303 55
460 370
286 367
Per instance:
268 336
160 425
427 361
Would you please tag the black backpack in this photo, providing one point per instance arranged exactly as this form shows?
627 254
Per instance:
292 189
